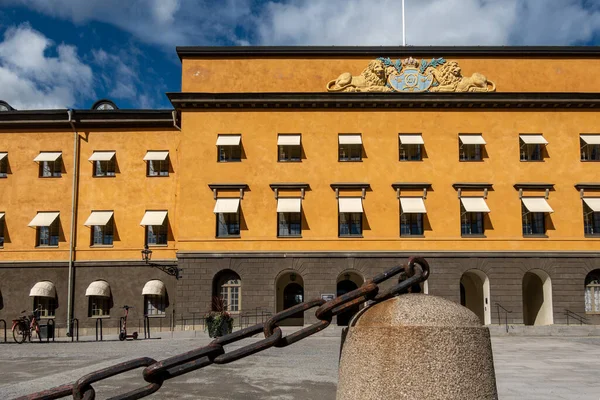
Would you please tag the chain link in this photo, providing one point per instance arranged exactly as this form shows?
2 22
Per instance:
156 373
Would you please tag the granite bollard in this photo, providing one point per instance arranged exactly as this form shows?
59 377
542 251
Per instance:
417 346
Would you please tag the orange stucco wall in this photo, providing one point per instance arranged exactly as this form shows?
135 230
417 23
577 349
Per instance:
129 194
311 75
380 168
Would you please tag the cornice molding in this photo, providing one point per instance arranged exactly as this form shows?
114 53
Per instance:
228 186
534 186
295 101
350 185
411 185
387 51
290 186
472 185
86 119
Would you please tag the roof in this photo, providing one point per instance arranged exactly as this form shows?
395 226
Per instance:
396 51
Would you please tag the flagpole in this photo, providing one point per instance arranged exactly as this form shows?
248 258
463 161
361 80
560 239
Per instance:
403 26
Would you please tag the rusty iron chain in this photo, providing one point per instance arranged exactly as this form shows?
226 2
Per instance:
155 373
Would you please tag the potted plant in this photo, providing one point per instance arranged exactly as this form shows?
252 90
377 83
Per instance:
218 321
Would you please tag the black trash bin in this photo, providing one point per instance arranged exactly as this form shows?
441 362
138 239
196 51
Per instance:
47 331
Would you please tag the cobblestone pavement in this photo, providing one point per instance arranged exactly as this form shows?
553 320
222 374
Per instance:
527 368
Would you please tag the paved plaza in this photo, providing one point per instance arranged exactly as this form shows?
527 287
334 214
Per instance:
526 368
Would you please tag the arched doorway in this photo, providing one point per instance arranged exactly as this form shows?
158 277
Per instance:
347 282
537 298
592 292
290 291
475 294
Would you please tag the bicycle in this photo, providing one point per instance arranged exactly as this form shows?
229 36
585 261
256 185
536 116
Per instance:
22 326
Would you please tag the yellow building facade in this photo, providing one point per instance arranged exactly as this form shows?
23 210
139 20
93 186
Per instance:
299 172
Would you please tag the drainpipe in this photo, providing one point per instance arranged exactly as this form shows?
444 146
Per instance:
72 236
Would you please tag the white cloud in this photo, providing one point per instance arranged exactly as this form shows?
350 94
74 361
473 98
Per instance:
31 79
430 22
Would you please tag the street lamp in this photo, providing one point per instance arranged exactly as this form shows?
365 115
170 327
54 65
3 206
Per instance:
168 269
146 254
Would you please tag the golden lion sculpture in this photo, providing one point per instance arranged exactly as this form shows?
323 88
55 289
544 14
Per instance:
450 79
372 79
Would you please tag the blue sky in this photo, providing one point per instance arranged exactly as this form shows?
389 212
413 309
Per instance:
70 53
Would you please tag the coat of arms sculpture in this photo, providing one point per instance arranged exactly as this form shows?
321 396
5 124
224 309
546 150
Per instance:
411 76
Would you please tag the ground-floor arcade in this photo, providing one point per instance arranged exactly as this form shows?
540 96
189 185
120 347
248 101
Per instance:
536 289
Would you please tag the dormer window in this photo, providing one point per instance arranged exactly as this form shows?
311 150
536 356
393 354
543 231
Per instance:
104 105
4 106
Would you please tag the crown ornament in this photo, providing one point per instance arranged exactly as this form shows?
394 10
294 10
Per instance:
410 63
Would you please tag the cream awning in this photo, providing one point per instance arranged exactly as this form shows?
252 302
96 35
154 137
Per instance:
229 140
537 204
43 289
292 205
592 202
227 206
533 139
156 155
588 139
350 139
2 156
350 204
154 288
153 218
288 140
43 219
413 205
471 139
48 156
475 204
1 215
99 218
98 288
411 139
102 156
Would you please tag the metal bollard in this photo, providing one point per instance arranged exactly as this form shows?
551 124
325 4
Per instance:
417 346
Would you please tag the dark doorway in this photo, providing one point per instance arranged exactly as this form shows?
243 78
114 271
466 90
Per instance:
293 294
463 295
344 287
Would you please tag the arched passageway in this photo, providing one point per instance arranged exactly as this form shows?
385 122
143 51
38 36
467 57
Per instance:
290 291
347 282
475 294
537 298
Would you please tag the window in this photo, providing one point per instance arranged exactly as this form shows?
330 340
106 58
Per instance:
411 224
154 305
410 152
156 235
48 235
104 168
51 169
158 167
350 152
46 305
229 148
591 218
531 147
471 223
350 147
350 224
98 306
470 152
590 147
228 224
102 234
533 223
3 165
290 153
289 148
230 285
592 292
289 224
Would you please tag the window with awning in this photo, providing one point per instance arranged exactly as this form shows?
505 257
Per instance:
537 204
532 147
410 147
98 288
101 223
155 298
229 148
1 229
590 147
157 163
50 164
534 214
228 217
155 223
350 204
289 148
102 156
98 218
412 205
591 216
349 147
474 204
412 210
47 228
44 298
472 210
3 164
289 217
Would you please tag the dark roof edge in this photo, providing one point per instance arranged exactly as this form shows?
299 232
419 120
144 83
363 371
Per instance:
381 101
86 119
378 51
